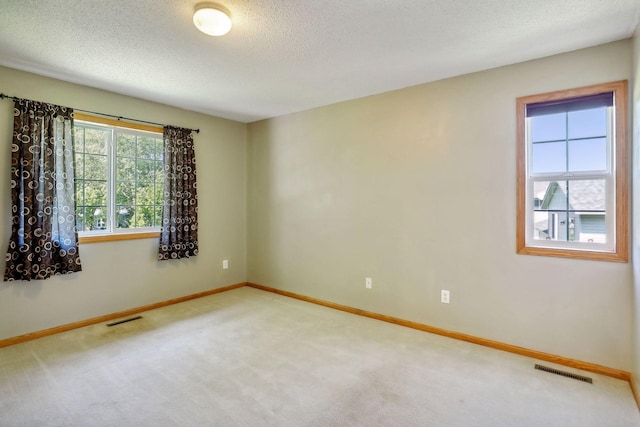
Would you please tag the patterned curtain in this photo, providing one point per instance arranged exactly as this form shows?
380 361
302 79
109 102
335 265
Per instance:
179 231
44 239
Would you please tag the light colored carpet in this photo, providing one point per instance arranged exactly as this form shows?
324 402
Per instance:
252 358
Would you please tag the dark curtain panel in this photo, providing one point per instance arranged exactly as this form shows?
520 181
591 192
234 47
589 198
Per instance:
179 232
44 239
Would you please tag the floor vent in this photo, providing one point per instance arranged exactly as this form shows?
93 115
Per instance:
131 319
564 374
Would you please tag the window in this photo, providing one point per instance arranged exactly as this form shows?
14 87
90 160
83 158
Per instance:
572 173
119 180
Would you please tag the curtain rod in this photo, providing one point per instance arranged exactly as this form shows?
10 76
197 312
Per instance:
5 96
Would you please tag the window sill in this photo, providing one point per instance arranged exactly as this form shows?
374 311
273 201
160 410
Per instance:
574 254
117 237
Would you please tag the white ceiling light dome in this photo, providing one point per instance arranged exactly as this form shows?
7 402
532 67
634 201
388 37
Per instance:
212 19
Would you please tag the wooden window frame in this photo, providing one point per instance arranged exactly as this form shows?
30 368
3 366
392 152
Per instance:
620 169
112 237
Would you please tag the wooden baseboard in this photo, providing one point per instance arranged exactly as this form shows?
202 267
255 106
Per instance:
560 360
75 325
634 390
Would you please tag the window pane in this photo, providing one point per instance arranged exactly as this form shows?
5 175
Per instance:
552 195
159 169
158 221
125 169
159 149
145 171
138 178
588 155
583 202
548 157
96 217
95 167
587 195
78 143
588 123
144 216
145 194
590 228
79 165
125 193
126 145
79 192
159 194
553 226
146 148
95 193
124 216
539 192
548 128
80 223
95 141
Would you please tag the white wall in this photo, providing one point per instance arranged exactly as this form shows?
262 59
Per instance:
416 188
121 275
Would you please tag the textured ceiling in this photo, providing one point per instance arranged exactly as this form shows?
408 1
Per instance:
284 56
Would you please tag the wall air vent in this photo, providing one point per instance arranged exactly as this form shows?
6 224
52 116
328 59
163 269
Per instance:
564 374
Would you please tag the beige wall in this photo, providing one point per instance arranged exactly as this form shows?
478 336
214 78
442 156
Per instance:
121 275
635 88
416 189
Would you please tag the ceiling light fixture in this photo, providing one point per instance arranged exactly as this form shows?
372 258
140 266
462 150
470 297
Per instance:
212 19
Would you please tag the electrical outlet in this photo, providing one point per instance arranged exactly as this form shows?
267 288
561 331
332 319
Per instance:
445 296
368 283
225 264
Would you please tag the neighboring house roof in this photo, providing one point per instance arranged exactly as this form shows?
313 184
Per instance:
588 194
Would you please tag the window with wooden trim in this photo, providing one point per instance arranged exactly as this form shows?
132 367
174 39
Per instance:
119 180
572 189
